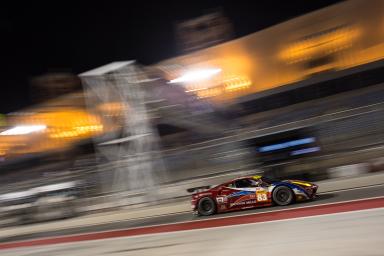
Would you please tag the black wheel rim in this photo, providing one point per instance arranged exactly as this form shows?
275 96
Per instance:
283 196
206 205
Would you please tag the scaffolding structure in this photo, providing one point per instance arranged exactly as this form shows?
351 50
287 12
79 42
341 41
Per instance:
128 151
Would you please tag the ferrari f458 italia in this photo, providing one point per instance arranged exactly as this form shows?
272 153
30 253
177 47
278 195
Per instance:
250 192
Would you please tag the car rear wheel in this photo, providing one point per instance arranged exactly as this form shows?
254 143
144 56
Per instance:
282 195
206 206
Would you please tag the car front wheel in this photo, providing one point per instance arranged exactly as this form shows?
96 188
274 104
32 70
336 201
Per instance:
282 195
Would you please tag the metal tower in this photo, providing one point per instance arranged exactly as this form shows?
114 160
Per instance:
128 150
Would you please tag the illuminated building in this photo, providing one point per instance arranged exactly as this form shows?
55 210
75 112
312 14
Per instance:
313 44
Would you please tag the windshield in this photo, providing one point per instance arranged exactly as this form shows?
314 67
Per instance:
269 180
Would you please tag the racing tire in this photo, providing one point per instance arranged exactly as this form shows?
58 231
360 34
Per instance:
282 196
206 206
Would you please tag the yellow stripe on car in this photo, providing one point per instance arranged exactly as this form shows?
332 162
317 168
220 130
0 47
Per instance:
302 183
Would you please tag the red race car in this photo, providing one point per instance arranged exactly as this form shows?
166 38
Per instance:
250 192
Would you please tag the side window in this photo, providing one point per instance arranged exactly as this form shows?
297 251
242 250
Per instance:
247 183
243 183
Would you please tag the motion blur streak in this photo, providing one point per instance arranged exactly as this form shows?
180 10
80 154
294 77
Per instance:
353 233
127 149
196 75
211 223
23 129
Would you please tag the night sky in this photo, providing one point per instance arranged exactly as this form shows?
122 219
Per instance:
38 37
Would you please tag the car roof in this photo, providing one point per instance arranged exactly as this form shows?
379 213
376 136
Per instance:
255 177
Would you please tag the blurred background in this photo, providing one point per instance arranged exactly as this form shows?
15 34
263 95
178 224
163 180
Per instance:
105 108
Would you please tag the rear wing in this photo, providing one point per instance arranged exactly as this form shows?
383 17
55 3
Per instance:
199 189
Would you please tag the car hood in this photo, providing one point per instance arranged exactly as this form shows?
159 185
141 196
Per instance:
300 183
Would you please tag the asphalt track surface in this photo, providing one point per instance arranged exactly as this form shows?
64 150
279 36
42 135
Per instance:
188 217
345 234
350 233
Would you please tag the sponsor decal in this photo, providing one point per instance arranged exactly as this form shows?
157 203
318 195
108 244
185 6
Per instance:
247 199
261 195
241 193
221 199
249 202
